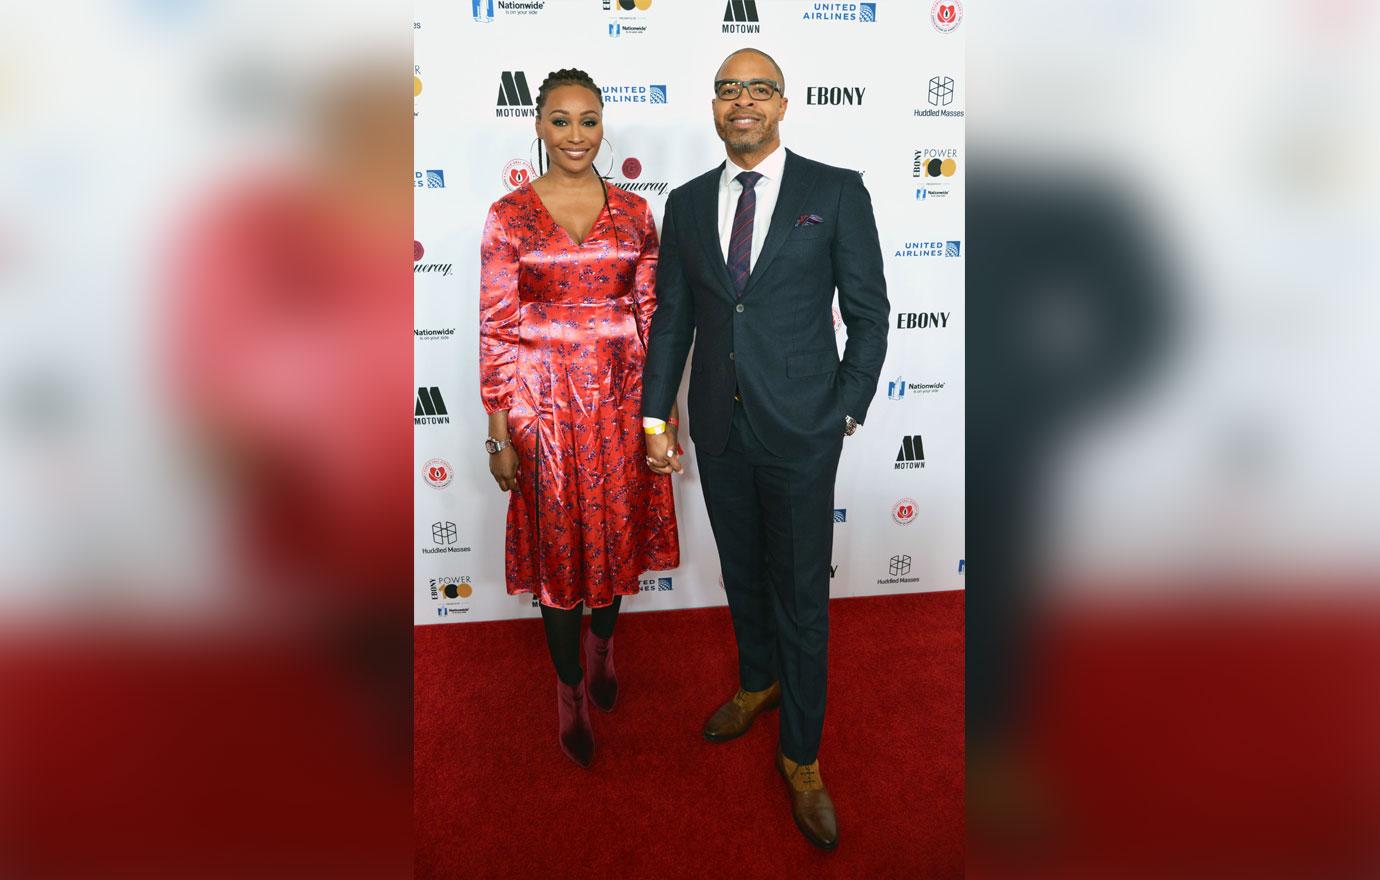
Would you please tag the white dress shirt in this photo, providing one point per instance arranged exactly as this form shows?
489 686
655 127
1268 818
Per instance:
768 188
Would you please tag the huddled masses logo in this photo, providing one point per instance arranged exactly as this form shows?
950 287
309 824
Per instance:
432 178
864 12
840 514
514 97
911 454
430 409
437 473
444 536
903 512
837 96
740 17
946 14
899 565
922 320
941 91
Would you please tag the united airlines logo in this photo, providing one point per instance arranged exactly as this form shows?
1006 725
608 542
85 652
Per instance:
740 17
840 514
655 584
432 178
951 248
658 93
514 97
430 409
634 94
864 12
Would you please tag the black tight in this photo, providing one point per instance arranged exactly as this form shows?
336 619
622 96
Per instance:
563 635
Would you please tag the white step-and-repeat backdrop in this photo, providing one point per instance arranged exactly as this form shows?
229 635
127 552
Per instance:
877 87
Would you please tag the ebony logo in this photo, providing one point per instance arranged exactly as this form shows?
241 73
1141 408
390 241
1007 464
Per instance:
514 98
935 163
922 320
431 409
848 96
911 454
740 17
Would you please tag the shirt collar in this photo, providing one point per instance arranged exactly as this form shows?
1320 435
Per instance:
771 168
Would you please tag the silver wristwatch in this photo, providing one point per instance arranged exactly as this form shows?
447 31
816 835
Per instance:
496 446
850 425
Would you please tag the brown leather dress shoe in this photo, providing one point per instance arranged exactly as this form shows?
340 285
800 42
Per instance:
733 718
811 806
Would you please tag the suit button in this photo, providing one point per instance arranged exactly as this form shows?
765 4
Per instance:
730 355
739 308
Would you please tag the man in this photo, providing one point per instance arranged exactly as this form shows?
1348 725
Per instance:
751 253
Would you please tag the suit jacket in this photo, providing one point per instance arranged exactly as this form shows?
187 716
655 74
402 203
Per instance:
774 345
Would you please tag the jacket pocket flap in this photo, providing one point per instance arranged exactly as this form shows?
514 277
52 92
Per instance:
812 363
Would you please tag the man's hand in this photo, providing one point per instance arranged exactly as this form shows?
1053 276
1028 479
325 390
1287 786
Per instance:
661 452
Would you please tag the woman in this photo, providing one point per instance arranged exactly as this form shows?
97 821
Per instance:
566 295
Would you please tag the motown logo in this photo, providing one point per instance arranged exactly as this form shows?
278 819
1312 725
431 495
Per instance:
740 17
437 473
514 98
911 454
904 511
946 15
431 409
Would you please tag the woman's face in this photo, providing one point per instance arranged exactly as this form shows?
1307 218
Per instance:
572 128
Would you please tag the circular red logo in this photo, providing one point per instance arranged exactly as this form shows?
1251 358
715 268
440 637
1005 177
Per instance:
945 16
417 251
632 169
904 511
516 173
438 473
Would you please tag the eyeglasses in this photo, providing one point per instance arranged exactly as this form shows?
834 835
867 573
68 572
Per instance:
757 89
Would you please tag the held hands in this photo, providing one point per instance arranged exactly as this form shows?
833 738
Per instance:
663 454
504 467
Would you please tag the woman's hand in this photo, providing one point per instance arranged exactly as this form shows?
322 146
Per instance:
504 467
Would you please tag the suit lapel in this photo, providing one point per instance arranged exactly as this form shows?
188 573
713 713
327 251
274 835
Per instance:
795 187
706 216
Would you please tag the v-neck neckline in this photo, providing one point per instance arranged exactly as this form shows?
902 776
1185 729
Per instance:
552 217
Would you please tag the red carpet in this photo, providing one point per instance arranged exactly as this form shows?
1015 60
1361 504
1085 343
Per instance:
495 797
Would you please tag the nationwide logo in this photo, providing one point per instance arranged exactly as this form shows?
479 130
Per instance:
922 320
837 96
517 172
911 454
439 333
945 15
452 588
445 537
740 17
962 564
840 514
627 16
931 163
432 178
431 409
896 389
514 98
483 10
654 93
943 249
631 170
897 568
655 584
924 194
420 268
865 12
438 473
903 512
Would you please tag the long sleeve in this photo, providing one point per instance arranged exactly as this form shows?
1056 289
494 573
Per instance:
644 281
673 324
863 302
498 316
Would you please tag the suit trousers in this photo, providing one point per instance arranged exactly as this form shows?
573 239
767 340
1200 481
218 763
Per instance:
773 522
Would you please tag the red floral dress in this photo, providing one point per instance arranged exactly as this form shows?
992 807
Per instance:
562 340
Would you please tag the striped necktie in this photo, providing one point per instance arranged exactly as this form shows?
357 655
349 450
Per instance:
740 242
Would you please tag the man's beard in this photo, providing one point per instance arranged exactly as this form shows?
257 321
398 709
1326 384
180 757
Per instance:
747 146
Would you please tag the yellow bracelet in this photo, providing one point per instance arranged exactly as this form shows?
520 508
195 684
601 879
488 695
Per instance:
654 429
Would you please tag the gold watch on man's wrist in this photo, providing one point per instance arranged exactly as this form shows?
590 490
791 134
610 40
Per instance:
850 425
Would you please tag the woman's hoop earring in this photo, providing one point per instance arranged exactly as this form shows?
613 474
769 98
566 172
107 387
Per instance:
609 175
536 156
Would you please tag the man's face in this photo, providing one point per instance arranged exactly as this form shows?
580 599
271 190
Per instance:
747 124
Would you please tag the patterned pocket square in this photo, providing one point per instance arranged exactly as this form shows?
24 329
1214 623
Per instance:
809 220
